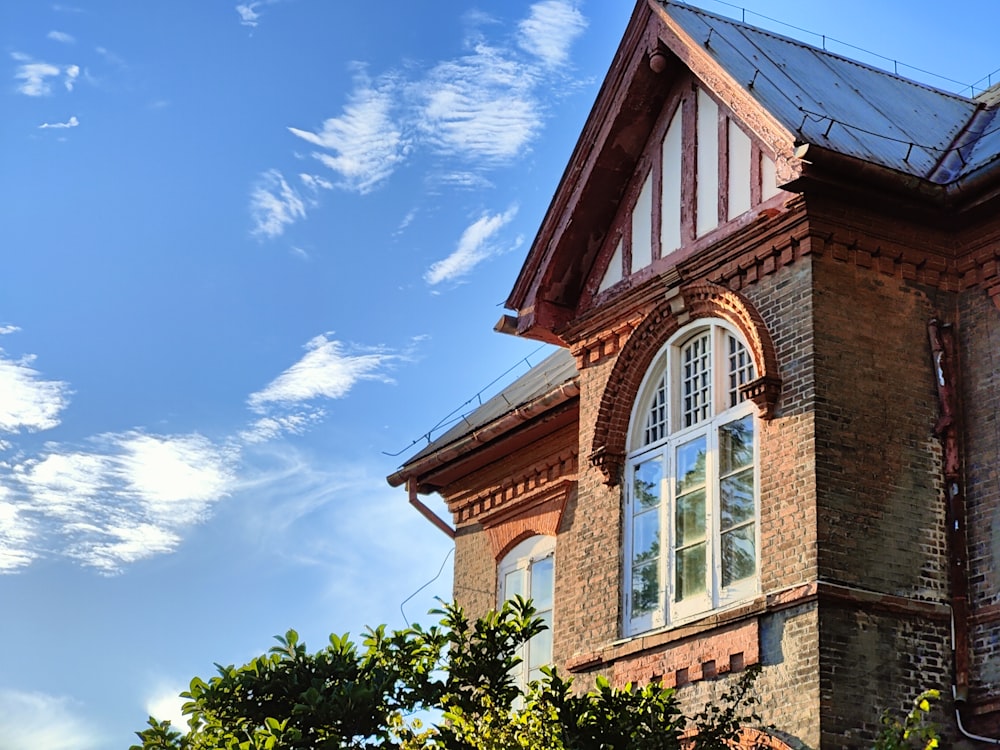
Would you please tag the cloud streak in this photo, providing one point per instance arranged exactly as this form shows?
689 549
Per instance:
61 37
478 242
39 720
274 205
28 402
550 30
364 145
72 122
127 498
37 78
475 113
329 369
480 107
249 13
124 497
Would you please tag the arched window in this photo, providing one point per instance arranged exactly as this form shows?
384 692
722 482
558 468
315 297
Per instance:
528 570
691 510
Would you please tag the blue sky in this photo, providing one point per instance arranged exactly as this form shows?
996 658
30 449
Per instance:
249 251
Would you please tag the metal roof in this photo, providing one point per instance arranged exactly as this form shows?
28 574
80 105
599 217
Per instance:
554 371
843 105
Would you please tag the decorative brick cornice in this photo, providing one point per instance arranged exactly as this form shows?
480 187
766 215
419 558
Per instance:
677 658
496 499
678 307
606 343
537 513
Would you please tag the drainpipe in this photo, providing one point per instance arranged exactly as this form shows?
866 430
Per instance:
430 515
949 431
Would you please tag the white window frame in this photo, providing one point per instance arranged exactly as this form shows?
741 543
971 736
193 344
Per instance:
520 563
668 610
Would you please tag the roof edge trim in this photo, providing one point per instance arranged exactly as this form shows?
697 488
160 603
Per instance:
556 396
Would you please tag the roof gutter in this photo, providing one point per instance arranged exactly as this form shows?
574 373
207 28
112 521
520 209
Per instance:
556 396
820 164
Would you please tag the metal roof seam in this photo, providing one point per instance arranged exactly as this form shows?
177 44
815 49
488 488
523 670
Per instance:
799 43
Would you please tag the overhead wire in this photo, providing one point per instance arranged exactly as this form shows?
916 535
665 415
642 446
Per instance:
436 576
450 418
820 117
896 63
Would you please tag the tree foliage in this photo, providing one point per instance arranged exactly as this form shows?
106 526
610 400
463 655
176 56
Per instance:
457 675
449 687
916 730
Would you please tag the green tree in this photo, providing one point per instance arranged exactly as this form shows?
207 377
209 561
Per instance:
916 730
458 672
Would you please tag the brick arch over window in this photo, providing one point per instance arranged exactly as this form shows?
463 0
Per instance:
537 514
753 739
686 304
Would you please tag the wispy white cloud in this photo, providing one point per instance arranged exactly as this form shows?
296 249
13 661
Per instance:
274 205
475 113
315 182
129 497
16 534
39 721
72 73
60 36
329 369
248 14
363 145
478 242
406 221
550 30
123 497
72 122
36 78
28 401
271 427
480 107
110 56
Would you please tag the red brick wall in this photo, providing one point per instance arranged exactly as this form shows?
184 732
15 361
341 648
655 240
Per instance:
880 503
588 589
978 322
878 465
589 545
500 487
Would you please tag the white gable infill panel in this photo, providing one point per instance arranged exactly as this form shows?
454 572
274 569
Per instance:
684 196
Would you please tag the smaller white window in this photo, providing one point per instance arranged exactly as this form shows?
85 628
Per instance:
528 570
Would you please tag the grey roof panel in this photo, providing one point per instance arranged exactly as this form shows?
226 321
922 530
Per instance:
831 101
555 370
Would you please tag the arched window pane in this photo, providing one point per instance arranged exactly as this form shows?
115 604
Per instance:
741 369
656 417
696 379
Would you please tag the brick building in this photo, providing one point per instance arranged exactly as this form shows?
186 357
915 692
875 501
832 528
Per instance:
768 436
